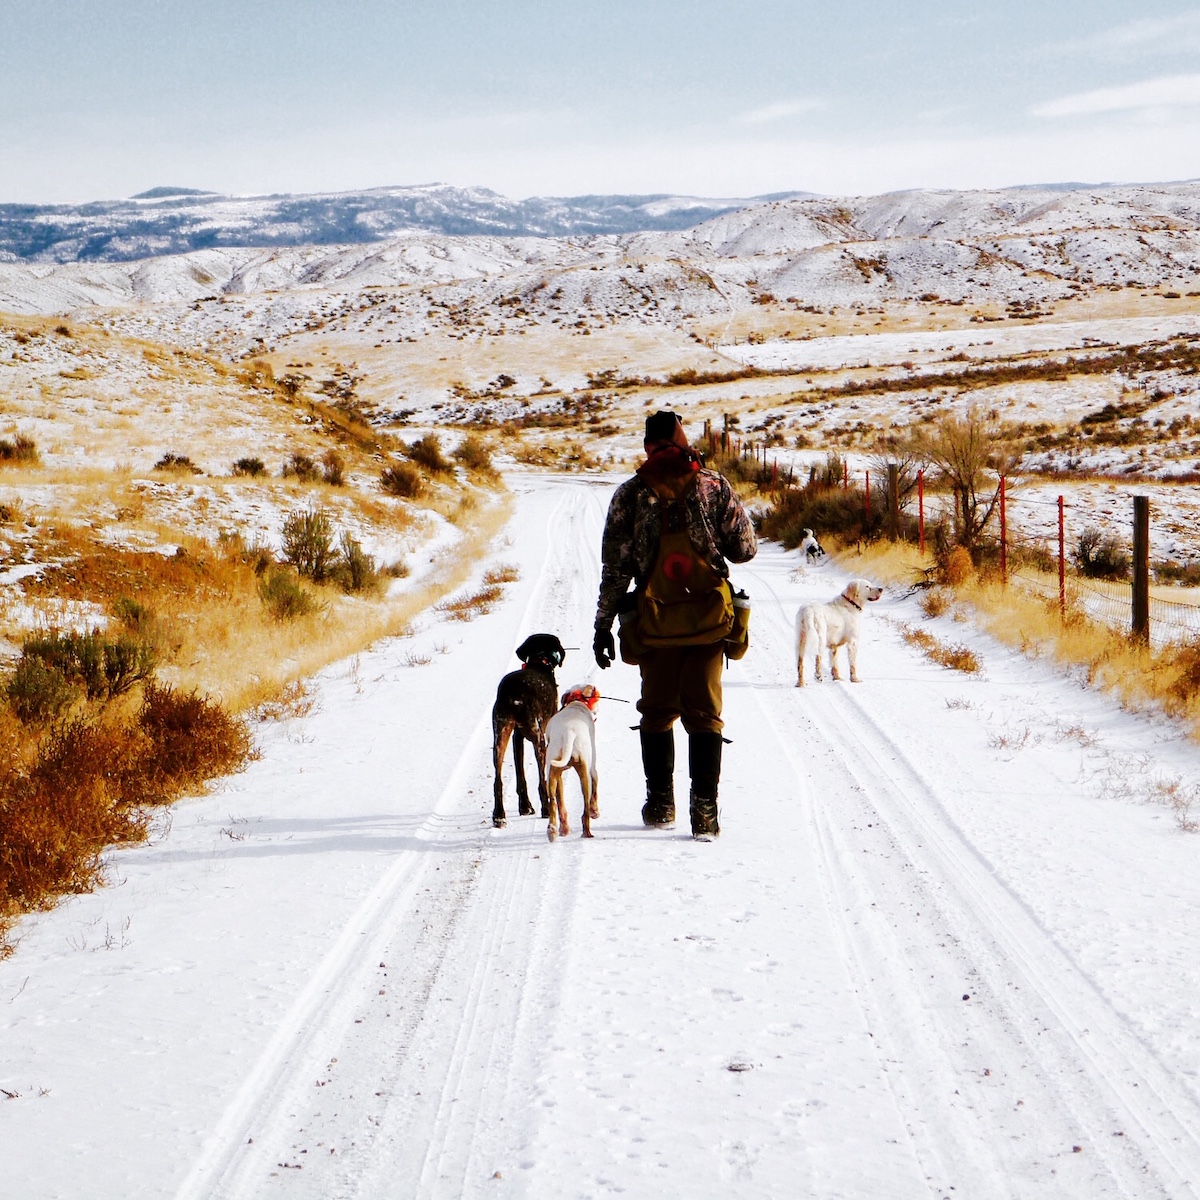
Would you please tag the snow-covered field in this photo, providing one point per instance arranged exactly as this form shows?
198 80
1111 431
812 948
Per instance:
944 947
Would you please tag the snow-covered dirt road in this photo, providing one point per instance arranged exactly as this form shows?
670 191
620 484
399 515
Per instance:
944 947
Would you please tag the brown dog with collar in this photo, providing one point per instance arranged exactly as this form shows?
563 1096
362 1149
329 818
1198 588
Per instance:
525 702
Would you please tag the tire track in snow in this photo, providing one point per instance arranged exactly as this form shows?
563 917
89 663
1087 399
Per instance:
1076 1053
240 1151
527 918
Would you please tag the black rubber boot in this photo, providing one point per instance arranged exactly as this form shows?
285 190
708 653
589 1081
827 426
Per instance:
658 761
704 763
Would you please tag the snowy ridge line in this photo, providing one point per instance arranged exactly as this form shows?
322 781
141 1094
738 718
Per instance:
1123 1066
225 1161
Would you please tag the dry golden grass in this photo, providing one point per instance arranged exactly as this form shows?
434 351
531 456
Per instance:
935 602
69 790
502 573
87 782
955 657
476 604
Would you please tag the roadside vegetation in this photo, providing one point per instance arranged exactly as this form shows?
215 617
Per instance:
228 536
960 574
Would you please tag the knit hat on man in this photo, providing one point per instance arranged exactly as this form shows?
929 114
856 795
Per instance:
665 427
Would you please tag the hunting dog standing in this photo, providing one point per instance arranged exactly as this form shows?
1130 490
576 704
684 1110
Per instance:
525 702
832 625
571 742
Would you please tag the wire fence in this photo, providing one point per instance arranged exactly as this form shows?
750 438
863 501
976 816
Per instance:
1039 556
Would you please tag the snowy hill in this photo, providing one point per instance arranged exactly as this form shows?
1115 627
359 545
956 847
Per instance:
169 220
1006 253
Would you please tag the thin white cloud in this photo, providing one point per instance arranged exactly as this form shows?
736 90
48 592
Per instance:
780 110
1168 91
1163 32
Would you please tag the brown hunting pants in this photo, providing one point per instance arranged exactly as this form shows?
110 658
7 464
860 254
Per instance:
683 682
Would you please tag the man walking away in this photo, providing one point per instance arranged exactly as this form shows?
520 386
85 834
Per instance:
670 529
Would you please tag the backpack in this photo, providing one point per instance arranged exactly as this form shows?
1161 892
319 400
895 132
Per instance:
683 602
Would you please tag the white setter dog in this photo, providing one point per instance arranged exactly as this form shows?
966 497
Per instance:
831 625
571 742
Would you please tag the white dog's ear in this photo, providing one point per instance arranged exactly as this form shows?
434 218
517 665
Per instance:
852 591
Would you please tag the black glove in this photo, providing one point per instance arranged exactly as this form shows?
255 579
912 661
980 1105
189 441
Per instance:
604 648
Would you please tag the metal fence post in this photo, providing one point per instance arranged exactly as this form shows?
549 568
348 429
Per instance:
1062 562
1141 569
893 501
1003 530
921 510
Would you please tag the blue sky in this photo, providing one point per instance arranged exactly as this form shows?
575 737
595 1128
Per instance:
104 99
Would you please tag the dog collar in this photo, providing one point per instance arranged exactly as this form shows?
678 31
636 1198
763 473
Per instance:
849 601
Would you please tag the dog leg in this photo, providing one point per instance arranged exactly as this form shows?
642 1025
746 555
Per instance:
800 651
554 790
523 805
539 753
501 732
585 785
833 661
852 655
594 802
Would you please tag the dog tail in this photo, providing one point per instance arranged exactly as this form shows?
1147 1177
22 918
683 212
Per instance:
568 750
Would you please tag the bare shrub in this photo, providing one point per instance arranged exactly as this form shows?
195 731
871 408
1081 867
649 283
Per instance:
333 468
308 543
102 666
403 480
179 464
477 604
971 453
57 817
356 570
300 466
39 692
19 449
282 595
474 454
295 699
956 568
191 740
935 602
427 452
253 467
1100 556
955 657
502 573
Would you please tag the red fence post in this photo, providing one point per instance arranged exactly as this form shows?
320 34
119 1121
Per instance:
921 510
1062 563
845 473
1003 531
867 493
774 475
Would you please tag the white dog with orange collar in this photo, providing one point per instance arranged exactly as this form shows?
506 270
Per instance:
571 742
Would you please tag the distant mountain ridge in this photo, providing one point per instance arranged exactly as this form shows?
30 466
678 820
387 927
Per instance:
169 220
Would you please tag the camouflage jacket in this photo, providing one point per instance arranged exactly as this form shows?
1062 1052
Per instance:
717 525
